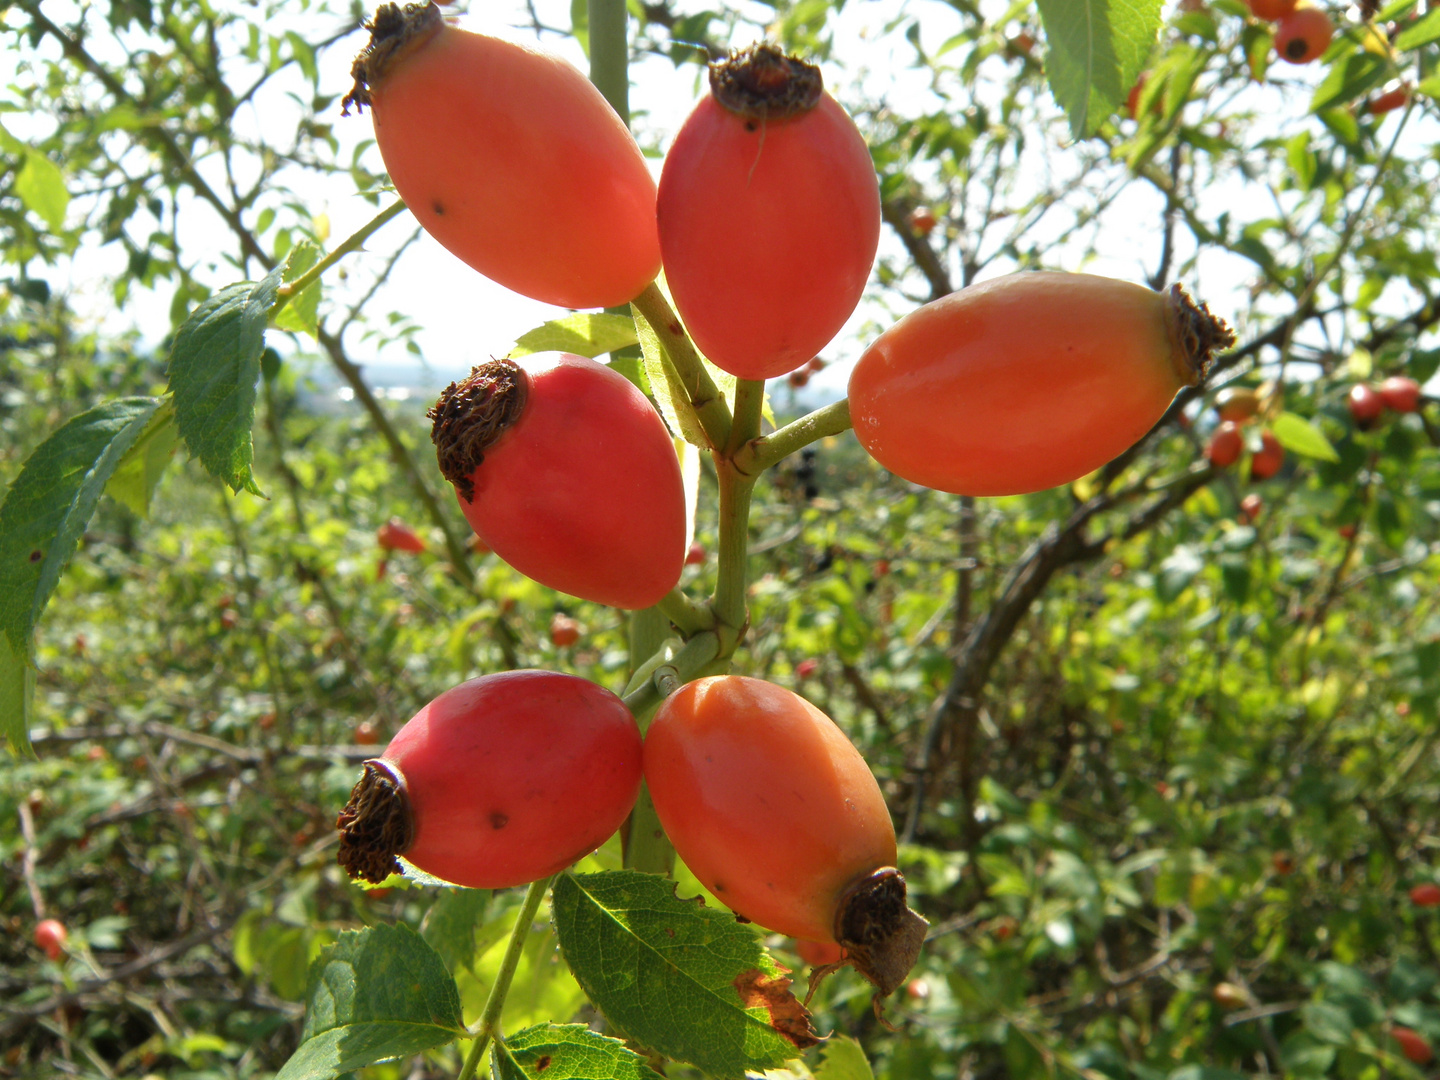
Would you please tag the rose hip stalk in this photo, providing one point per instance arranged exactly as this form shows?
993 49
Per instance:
499 781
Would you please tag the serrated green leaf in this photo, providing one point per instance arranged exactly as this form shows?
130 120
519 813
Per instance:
584 334
140 470
214 369
50 503
843 1059
674 975
17 697
302 312
1346 81
41 187
1097 49
567 1052
450 925
1421 32
376 994
1299 435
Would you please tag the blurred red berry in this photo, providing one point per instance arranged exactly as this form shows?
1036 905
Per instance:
1400 393
1427 895
564 631
395 535
806 668
50 935
1413 1045
696 555
1366 405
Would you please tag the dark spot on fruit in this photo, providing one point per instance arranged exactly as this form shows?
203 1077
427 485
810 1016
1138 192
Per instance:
718 887
499 820
749 125
438 207
36 556
542 1063
1295 48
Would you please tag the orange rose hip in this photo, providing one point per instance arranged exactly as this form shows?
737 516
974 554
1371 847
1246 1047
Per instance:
778 815
1027 381
510 158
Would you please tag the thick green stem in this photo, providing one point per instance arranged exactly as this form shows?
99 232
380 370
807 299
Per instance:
610 54
490 1016
730 608
749 408
709 404
761 453
688 616
351 243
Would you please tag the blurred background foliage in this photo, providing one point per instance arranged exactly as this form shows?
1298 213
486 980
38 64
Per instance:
1165 770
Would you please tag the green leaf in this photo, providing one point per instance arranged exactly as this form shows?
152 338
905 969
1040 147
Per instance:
376 994
843 1059
666 386
41 187
580 23
583 334
677 976
1258 42
567 1052
1097 49
139 471
214 369
302 312
1423 32
450 924
17 698
50 503
1299 435
1346 81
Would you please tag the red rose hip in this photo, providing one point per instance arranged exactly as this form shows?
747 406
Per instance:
1366 405
566 471
769 215
778 815
499 781
1225 446
50 935
1400 393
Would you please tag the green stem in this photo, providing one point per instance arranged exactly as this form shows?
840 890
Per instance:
687 615
610 54
351 243
730 607
696 655
490 1016
709 403
760 454
749 408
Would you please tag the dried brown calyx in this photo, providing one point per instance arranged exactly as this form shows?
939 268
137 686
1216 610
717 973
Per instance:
376 824
471 415
762 83
1198 334
394 31
881 935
